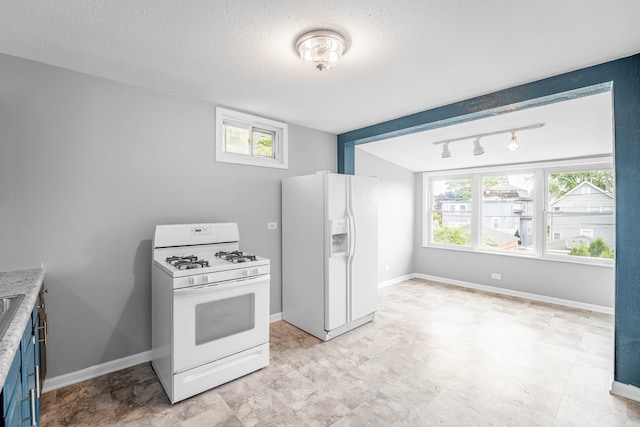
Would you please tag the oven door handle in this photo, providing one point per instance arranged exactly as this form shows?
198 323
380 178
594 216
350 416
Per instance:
220 286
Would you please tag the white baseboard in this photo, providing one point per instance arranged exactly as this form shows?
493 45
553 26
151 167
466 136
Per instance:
95 371
619 389
109 367
625 390
396 280
526 295
275 317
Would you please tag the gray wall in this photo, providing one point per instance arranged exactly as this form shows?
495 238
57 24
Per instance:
88 167
396 222
587 284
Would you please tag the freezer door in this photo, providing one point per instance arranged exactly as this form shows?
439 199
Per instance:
363 265
337 237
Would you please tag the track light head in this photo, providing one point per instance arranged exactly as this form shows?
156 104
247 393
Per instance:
477 148
513 144
445 150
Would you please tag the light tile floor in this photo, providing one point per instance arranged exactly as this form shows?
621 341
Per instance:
434 355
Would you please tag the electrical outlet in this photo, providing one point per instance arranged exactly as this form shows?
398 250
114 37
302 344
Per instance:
272 226
496 276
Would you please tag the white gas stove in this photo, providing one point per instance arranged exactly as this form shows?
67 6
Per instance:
207 263
210 311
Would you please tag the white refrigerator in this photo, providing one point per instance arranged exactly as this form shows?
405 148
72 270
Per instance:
329 252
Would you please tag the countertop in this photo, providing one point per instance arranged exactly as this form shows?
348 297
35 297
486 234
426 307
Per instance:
27 282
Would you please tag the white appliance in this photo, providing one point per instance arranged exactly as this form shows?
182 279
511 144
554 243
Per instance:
210 308
329 252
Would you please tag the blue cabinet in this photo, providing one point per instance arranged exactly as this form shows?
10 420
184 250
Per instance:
21 391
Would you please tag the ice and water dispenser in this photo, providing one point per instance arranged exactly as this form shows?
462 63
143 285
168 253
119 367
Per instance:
339 236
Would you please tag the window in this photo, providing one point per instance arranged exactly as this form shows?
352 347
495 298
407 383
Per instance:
563 210
450 226
250 140
586 232
507 207
581 207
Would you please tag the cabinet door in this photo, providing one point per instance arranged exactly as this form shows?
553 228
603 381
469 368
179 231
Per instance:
12 393
13 416
30 393
21 391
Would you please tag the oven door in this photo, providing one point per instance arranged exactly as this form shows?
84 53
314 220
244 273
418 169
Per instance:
216 320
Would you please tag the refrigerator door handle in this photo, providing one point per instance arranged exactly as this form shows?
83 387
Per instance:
351 219
352 236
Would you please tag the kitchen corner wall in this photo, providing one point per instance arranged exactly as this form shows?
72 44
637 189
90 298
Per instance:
396 225
88 167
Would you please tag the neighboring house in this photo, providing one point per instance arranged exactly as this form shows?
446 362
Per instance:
497 239
456 213
508 209
591 216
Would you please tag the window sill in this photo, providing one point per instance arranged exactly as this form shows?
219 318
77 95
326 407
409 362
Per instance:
596 262
250 161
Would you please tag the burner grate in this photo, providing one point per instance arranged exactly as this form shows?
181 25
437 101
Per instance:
187 262
235 256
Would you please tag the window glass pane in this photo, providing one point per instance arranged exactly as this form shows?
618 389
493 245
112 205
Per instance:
236 138
251 140
580 219
222 318
263 143
451 210
507 212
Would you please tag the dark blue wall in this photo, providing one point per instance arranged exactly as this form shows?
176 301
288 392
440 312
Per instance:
623 77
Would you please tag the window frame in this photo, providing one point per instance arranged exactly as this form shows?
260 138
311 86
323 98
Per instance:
280 146
541 172
602 165
430 211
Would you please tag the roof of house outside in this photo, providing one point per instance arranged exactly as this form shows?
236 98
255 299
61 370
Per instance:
575 197
506 191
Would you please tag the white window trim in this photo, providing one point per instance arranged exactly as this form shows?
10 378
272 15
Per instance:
280 143
540 172
426 208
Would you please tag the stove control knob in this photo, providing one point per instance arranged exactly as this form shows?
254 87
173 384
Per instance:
205 279
192 281
245 273
255 270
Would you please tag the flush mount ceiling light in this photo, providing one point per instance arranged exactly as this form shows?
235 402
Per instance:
321 49
512 145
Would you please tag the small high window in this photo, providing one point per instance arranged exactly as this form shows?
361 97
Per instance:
250 140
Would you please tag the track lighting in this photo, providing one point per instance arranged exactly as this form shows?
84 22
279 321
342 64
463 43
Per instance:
477 148
445 151
512 145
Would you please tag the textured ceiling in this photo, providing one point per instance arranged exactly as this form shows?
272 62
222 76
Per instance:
405 56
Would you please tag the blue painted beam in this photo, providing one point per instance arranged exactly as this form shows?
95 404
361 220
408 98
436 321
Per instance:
622 76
